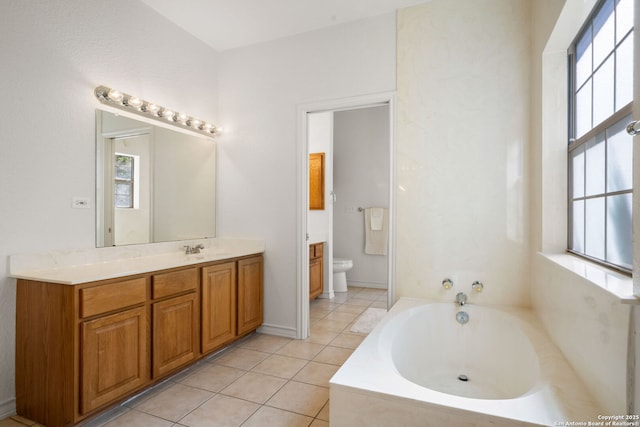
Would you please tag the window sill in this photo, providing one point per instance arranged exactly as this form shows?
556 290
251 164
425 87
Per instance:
618 285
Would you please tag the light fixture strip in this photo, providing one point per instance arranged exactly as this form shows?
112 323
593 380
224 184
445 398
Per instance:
144 108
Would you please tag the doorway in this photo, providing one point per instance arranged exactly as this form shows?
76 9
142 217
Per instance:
386 104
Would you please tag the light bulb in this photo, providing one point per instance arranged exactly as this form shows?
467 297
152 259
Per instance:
132 101
115 95
166 113
181 117
193 122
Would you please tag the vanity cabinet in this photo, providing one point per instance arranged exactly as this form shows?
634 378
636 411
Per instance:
174 320
82 348
218 305
250 294
316 269
113 357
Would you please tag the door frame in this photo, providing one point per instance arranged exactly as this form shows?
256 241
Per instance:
302 261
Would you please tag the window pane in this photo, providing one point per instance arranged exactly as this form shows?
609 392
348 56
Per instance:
123 197
624 73
583 110
578 226
594 227
594 168
124 167
583 59
577 168
624 18
603 33
603 91
619 230
619 155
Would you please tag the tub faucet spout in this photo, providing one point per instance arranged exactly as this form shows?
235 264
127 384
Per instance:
461 298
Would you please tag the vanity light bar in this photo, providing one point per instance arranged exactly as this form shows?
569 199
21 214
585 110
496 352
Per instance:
126 102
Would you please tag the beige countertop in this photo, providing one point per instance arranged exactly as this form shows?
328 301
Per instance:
90 265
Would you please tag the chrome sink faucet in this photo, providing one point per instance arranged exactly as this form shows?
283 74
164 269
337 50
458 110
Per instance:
461 299
193 250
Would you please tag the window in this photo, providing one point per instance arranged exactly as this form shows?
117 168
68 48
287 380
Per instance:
124 182
600 151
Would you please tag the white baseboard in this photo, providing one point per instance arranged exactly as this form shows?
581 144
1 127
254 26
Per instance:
281 331
374 285
7 408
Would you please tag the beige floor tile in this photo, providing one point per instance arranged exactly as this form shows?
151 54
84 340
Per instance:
280 366
342 316
305 399
174 402
23 420
107 416
254 387
265 343
320 335
301 349
333 355
371 293
241 358
324 412
378 304
136 418
332 325
349 308
318 313
358 301
8 422
340 297
347 340
212 377
316 373
267 416
220 411
319 423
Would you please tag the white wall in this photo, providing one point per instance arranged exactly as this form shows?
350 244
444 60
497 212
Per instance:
587 323
260 88
463 149
54 54
361 179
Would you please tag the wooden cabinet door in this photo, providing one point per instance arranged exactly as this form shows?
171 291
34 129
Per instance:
113 357
250 294
175 329
218 305
316 181
315 277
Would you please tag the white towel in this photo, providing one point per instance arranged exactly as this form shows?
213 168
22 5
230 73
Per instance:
377 216
375 240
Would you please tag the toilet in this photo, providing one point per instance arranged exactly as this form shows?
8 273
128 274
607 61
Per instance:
340 268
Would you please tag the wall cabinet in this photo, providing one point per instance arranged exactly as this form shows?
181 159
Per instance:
316 269
81 348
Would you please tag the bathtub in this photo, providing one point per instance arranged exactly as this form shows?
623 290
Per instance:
420 367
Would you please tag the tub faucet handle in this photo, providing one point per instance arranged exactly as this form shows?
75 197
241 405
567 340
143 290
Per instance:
461 298
447 284
477 286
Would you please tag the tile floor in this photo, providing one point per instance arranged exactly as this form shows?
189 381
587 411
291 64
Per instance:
262 380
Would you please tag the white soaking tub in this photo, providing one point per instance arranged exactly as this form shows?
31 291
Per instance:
420 367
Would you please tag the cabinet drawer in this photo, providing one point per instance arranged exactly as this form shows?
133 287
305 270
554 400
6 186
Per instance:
106 298
174 282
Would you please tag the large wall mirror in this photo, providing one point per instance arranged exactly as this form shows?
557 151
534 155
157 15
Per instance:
153 184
